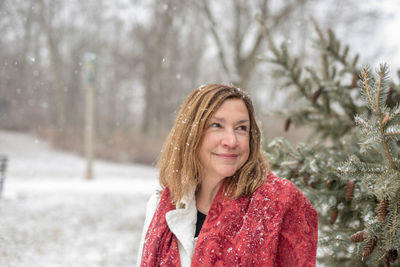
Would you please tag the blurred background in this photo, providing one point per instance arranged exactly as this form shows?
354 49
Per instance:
127 65
149 55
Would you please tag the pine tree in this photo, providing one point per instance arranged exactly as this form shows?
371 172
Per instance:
378 165
340 163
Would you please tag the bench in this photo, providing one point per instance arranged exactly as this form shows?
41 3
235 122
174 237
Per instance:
3 167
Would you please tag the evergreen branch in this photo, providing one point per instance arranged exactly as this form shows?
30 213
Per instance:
318 30
314 76
369 156
389 155
267 37
282 59
332 46
362 122
395 113
355 61
333 73
378 92
394 226
392 130
289 163
382 74
365 74
385 146
383 256
384 143
346 51
382 88
285 148
325 67
354 166
385 119
392 133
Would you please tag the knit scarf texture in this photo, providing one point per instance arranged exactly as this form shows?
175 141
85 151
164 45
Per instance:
276 226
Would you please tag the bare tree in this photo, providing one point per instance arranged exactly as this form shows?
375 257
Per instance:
56 60
146 63
242 18
171 55
14 83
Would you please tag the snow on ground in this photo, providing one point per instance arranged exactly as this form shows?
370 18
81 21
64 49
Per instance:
51 216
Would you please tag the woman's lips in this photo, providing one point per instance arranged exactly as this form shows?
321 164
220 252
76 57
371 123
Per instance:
227 156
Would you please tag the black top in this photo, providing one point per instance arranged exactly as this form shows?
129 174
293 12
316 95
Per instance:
200 220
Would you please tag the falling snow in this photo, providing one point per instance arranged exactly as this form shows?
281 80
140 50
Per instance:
51 216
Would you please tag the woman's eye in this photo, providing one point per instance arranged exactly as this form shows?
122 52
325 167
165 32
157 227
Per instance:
215 125
242 128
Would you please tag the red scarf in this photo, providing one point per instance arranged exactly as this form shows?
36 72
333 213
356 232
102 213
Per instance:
276 226
161 246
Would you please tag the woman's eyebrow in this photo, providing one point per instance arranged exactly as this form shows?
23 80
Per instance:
223 120
218 119
242 121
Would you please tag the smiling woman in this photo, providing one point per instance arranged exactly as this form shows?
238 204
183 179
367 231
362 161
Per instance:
224 149
219 204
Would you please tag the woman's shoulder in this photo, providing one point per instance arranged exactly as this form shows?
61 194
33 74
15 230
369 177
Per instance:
283 195
273 182
277 188
152 202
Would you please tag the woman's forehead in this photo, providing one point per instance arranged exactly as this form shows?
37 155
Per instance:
230 106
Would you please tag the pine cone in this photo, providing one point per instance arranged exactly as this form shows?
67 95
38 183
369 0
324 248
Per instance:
354 81
316 94
306 178
358 237
287 124
369 247
334 215
382 210
349 191
392 255
295 173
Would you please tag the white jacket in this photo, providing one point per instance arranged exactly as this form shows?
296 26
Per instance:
181 222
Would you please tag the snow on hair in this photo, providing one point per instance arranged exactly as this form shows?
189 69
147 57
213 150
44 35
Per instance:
179 164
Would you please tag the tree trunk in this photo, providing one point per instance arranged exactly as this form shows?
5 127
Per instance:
55 58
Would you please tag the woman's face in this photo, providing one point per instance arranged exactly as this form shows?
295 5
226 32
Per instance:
225 145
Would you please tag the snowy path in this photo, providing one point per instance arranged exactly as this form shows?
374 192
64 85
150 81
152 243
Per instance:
51 216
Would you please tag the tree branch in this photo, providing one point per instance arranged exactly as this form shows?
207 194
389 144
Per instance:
217 38
367 89
381 125
284 13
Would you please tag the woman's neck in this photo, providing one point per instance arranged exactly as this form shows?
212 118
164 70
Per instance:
206 194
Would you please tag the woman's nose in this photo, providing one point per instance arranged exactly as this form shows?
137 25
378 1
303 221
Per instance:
229 139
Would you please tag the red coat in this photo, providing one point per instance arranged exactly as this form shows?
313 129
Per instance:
276 226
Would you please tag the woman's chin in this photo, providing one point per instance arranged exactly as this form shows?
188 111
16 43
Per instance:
227 173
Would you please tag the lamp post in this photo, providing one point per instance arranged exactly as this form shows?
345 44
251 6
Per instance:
90 78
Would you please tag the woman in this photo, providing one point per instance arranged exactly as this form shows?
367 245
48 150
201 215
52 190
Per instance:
220 205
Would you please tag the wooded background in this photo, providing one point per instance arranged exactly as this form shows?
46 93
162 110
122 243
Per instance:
149 56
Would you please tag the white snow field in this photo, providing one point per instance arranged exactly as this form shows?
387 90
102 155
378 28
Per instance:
51 216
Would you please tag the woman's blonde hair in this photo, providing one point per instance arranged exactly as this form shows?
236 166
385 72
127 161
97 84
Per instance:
179 163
